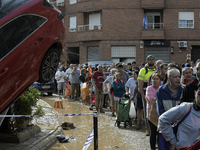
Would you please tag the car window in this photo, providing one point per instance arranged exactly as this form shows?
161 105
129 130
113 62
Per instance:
7 6
2 45
37 21
16 31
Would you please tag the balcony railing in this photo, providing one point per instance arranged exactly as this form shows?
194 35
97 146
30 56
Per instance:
155 25
89 27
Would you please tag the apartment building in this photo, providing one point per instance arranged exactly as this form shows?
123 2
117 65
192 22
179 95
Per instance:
129 30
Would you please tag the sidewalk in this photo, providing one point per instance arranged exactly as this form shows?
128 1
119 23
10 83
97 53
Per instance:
40 136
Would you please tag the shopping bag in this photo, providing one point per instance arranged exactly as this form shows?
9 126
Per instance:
67 89
153 115
132 111
108 89
85 91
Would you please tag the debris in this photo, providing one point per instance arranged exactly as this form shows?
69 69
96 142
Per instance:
62 139
67 126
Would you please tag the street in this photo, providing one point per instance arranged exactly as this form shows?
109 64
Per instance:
109 136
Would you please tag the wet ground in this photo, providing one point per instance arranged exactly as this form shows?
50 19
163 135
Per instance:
109 136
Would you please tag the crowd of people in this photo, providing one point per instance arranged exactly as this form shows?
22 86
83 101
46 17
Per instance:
165 88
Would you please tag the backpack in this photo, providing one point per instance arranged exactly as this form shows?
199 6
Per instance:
146 69
111 88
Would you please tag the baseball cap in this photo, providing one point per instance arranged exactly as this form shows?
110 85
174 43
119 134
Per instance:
149 56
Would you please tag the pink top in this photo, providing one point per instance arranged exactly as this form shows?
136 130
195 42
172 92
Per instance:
150 93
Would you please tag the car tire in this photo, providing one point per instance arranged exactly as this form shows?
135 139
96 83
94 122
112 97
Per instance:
49 65
50 93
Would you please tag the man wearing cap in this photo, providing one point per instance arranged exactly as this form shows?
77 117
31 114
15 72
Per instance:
143 78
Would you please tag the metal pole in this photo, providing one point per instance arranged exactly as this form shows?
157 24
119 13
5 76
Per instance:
95 117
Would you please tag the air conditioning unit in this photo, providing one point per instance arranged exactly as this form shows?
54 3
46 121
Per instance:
96 28
182 44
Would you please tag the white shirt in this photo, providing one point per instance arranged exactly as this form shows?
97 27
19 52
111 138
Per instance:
60 74
68 72
194 69
131 85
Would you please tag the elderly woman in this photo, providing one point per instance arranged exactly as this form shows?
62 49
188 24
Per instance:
189 128
109 80
151 94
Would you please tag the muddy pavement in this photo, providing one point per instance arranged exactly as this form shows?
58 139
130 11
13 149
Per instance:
109 136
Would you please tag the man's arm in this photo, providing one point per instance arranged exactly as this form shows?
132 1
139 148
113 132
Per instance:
141 89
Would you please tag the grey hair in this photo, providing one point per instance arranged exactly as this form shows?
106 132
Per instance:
113 70
99 66
170 72
185 69
158 61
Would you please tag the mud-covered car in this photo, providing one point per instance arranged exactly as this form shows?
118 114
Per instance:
31 41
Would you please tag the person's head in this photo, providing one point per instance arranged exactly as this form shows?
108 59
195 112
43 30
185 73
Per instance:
187 61
129 66
60 68
163 69
124 66
158 62
105 68
118 76
150 60
174 77
192 64
100 68
120 68
96 65
135 74
75 66
90 66
86 64
198 71
172 66
197 95
83 71
71 66
133 64
156 79
187 73
113 71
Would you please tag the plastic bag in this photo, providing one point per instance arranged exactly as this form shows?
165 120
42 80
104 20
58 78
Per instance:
83 85
132 112
108 89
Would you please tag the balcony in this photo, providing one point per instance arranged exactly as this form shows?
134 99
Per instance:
156 4
89 27
153 31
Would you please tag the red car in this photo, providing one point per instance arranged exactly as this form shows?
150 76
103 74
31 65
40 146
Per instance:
31 41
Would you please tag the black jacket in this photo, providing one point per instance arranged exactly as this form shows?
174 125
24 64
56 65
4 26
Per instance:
188 92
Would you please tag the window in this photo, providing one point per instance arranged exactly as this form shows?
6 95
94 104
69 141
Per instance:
2 45
153 20
95 21
37 21
72 2
16 31
72 24
186 19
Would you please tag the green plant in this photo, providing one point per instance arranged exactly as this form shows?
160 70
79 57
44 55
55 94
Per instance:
23 106
39 111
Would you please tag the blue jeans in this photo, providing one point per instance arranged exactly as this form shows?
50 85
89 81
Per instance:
145 113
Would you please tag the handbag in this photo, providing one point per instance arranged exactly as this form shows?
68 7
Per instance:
165 145
153 115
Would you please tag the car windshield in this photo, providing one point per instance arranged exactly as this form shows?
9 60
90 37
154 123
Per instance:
7 6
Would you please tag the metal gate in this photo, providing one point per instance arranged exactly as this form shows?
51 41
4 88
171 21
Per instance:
93 53
162 53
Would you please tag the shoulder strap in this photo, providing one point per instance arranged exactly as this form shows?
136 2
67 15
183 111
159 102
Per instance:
146 70
121 81
116 82
187 112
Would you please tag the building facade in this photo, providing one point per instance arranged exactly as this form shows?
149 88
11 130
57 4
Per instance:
129 30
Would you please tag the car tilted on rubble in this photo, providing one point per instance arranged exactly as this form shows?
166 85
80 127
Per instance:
31 41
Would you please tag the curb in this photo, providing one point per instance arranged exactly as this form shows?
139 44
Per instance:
46 141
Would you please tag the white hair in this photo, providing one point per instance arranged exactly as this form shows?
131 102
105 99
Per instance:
171 71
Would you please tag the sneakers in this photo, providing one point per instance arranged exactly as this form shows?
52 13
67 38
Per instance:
91 107
147 131
138 125
102 111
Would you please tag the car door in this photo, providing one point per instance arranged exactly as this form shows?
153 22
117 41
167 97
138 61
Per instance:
14 34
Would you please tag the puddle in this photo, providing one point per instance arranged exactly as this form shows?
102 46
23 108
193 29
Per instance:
109 136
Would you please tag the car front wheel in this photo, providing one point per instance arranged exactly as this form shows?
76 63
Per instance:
49 66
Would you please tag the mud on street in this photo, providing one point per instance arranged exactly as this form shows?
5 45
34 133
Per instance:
109 136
